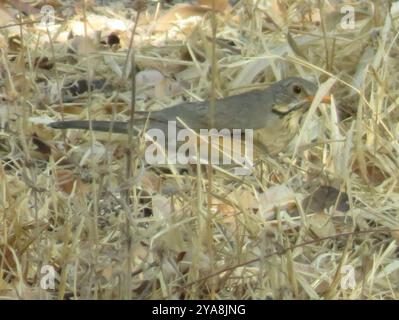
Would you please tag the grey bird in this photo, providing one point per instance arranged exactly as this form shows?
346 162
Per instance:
273 113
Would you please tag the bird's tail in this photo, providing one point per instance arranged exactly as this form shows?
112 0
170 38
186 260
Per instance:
105 126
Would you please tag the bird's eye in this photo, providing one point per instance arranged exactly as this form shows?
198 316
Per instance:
297 89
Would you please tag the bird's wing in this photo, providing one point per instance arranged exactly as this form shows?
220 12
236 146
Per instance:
243 111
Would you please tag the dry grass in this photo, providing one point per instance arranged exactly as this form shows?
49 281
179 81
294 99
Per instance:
69 201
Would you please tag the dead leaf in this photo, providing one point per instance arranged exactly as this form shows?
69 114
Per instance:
3 42
5 16
178 14
149 77
321 225
53 3
325 197
81 86
41 146
82 46
220 5
161 206
43 63
294 46
24 7
374 174
150 181
280 197
65 180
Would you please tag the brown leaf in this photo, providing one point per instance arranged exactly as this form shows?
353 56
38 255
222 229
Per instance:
5 16
24 7
325 197
220 5
66 179
42 147
53 3
82 45
43 63
374 175
178 13
321 225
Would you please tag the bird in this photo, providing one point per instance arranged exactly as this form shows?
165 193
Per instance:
274 114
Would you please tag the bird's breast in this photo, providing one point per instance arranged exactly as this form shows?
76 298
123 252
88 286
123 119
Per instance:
274 138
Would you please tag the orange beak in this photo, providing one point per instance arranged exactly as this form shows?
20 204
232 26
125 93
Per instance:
326 99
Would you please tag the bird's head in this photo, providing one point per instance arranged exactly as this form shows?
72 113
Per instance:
294 94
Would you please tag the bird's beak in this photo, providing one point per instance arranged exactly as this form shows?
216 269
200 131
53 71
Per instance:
326 99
